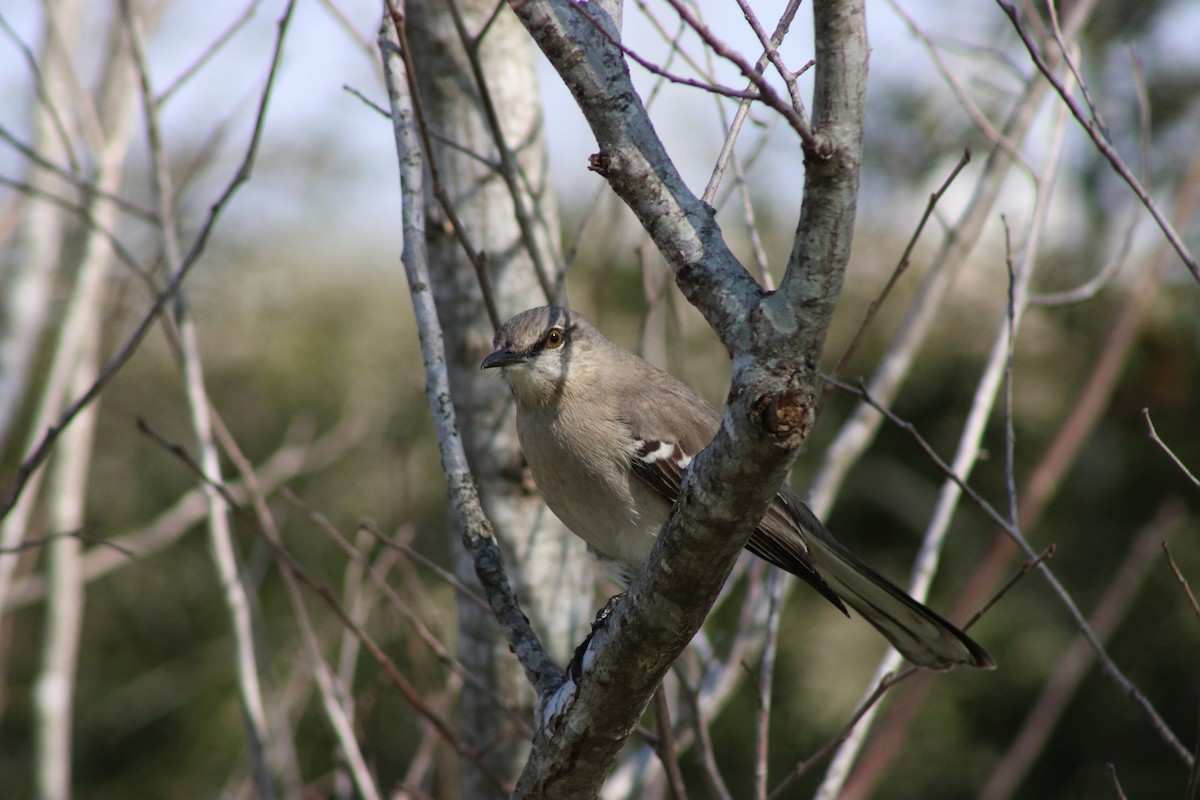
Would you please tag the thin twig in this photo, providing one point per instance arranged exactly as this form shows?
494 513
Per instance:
665 746
39 86
886 682
84 212
1183 582
33 544
368 102
209 52
1026 567
1101 142
428 637
443 573
401 50
130 207
1121 589
1069 54
294 458
1000 138
1112 773
338 708
542 253
739 118
796 117
704 750
766 682
1166 449
902 264
654 69
234 591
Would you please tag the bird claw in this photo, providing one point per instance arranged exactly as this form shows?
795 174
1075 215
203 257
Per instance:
582 660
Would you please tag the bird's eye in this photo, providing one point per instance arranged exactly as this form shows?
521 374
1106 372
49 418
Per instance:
554 338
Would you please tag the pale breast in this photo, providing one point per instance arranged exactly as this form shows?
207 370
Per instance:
585 479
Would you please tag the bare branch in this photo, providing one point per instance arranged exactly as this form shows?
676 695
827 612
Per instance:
464 496
794 114
1108 666
766 681
285 560
1121 590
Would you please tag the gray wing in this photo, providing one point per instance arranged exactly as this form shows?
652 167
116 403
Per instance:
676 425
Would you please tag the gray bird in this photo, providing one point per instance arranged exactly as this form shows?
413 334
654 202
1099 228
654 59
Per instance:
608 436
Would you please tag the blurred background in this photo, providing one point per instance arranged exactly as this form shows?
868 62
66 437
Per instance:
310 354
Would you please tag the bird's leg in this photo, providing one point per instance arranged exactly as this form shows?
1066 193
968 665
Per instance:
576 667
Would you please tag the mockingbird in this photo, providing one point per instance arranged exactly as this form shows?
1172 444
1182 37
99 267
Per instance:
608 438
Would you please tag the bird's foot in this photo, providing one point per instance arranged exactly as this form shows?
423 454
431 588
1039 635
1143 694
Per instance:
582 659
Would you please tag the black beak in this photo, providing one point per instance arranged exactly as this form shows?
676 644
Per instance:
502 358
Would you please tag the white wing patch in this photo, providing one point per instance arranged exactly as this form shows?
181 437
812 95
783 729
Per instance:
654 452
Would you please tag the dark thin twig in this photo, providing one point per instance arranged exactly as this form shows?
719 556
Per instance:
123 203
796 117
1025 569
443 573
31 544
1100 141
477 258
368 102
42 451
826 749
208 53
902 264
654 69
509 169
39 85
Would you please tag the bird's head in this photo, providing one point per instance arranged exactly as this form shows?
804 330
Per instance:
536 350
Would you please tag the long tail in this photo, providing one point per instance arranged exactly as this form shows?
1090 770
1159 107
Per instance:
920 634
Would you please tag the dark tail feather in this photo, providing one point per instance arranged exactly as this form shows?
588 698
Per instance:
920 634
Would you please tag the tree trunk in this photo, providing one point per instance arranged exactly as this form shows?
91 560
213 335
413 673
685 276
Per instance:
548 566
